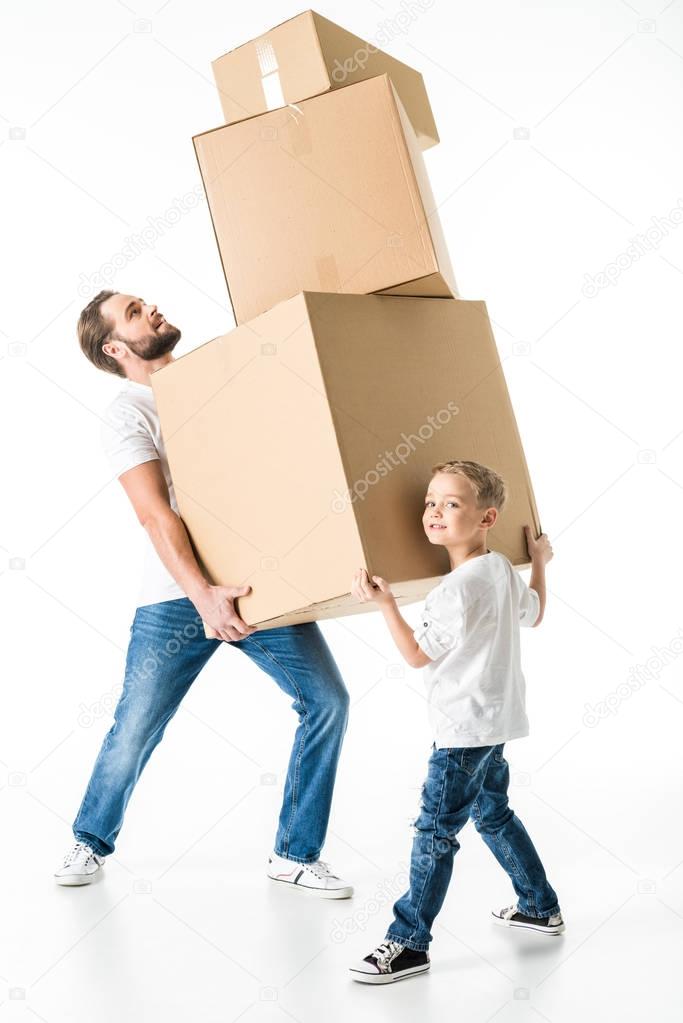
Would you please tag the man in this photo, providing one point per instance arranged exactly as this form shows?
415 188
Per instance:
124 335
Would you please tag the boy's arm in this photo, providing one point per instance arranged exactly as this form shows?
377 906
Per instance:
540 552
403 635
537 582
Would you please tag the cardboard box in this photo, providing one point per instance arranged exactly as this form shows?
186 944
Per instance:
306 56
332 196
301 445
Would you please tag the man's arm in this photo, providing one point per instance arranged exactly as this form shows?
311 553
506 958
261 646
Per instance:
146 488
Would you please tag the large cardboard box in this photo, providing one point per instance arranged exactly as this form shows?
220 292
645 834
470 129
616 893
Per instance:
301 445
306 56
332 196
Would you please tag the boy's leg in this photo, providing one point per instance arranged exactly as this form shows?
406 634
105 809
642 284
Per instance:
166 652
298 658
453 782
507 838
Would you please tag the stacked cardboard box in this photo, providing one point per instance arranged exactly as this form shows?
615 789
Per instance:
301 442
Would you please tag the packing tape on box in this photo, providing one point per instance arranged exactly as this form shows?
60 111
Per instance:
270 75
298 132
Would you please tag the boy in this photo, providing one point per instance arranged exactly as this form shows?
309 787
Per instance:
468 641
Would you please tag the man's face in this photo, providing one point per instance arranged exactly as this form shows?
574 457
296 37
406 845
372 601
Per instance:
140 326
451 512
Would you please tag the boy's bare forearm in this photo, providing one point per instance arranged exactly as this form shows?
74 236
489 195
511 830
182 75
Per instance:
401 631
537 582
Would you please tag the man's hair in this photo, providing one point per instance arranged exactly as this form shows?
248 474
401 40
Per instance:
488 486
94 330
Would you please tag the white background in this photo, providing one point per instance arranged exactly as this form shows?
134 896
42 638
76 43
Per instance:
104 116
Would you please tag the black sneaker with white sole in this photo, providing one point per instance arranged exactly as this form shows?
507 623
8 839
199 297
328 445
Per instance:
389 962
511 917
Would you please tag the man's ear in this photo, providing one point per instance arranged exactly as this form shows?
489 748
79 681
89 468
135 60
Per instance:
114 348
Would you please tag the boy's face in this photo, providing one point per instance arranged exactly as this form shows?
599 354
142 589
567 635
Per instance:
451 513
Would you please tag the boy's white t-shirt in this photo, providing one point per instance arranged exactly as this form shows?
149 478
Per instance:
470 628
131 435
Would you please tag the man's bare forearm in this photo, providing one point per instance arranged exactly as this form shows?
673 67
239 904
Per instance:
167 532
537 582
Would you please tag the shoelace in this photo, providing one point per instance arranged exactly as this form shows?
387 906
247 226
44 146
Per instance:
321 870
385 952
76 850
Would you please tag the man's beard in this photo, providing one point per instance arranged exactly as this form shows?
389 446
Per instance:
157 344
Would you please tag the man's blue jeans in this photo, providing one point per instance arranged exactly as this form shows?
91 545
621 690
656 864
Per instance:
166 652
463 782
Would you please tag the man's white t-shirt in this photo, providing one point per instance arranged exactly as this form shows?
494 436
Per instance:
470 628
131 435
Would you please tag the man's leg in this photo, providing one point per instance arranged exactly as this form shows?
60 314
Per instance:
166 652
298 658
507 838
453 781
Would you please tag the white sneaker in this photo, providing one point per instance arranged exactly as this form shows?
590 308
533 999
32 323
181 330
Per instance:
312 878
80 865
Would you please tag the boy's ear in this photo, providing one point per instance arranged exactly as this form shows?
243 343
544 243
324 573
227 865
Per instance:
490 517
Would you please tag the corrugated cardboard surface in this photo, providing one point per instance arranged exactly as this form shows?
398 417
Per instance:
301 446
306 56
331 196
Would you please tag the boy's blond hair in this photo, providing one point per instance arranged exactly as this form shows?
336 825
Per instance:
489 488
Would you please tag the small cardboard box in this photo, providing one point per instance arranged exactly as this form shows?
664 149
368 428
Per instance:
306 56
331 196
301 445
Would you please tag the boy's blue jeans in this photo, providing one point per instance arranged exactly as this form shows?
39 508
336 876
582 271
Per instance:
166 652
463 782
